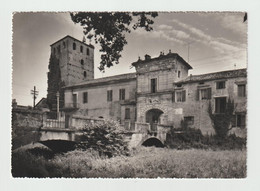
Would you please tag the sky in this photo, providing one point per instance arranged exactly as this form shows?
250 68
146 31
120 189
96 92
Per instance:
209 41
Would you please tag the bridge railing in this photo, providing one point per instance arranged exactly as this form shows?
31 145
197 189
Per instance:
142 127
54 123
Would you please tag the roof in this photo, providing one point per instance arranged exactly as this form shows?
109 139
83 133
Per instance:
215 76
105 80
169 55
68 36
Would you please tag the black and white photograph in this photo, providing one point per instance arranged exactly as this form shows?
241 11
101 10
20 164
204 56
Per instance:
129 94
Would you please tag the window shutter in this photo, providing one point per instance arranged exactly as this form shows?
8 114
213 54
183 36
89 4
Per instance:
107 95
183 95
209 93
173 96
233 120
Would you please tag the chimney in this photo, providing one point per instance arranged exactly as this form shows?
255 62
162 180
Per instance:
147 57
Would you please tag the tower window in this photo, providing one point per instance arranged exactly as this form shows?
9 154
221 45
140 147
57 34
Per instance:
179 74
74 46
64 45
81 48
82 61
85 74
87 51
153 85
59 49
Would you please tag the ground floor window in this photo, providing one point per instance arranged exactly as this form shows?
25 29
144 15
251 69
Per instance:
220 104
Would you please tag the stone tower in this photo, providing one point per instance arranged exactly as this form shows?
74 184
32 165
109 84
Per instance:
71 62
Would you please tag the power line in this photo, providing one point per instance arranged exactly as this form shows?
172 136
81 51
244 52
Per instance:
35 94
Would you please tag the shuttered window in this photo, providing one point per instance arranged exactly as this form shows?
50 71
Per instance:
122 94
127 113
241 90
85 97
109 95
180 96
204 94
220 104
153 85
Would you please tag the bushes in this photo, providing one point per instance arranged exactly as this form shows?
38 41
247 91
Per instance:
106 138
186 138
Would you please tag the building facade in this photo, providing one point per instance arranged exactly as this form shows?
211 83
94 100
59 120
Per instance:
159 92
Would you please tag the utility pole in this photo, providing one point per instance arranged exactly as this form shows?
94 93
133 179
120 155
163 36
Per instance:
188 43
35 94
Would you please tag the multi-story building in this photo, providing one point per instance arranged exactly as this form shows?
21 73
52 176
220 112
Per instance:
159 92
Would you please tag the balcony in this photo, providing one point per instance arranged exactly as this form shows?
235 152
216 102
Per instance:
70 106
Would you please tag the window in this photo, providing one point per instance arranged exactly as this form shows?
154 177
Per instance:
54 50
59 49
181 96
220 104
220 85
109 95
85 74
74 46
127 113
204 93
122 94
189 120
81 48
179 74
82 62
87 51
240 120
85 97
153 85
64 44
241 88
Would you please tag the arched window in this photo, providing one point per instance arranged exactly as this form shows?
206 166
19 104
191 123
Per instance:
81 48
74 46
82 61
87 51
85 74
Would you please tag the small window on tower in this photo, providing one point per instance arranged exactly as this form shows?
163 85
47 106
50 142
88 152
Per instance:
82 61
87 51
85 74
81 48
64 45
59 49
179 74
74 46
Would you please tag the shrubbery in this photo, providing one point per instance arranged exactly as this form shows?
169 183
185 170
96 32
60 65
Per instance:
107 138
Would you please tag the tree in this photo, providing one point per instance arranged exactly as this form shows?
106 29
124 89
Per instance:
109 28
222 121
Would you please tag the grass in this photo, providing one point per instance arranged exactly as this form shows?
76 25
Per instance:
144 162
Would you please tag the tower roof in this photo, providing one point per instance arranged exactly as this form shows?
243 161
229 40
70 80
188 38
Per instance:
68 36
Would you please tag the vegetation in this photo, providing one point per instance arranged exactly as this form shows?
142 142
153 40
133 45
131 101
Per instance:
109 28
145 162
221 122
107 138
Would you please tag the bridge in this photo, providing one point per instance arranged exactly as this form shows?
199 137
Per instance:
141 134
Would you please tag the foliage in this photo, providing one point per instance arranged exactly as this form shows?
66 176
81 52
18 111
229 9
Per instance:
222 121
107 138
145 162
55 83
109 28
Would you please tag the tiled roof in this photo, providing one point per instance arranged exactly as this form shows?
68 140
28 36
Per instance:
110 79
215 76
169 55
